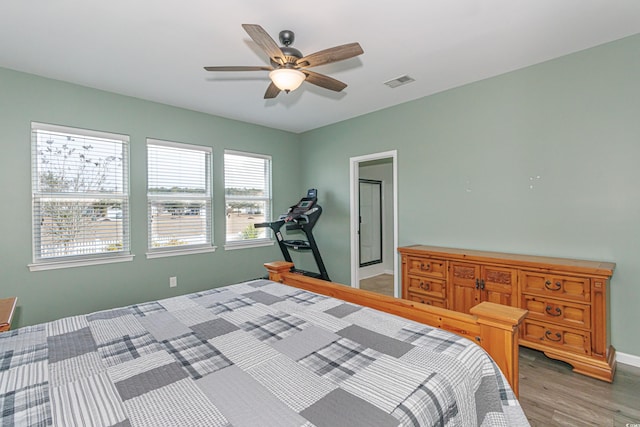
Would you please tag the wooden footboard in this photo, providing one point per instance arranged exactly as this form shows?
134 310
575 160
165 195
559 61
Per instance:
493 326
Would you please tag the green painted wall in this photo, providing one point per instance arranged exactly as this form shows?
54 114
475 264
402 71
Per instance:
47 295
469 161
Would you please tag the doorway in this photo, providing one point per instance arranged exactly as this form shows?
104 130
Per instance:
378 254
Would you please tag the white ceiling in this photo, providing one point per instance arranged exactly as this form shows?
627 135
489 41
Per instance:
155 49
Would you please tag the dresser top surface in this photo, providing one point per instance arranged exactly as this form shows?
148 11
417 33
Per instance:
532 261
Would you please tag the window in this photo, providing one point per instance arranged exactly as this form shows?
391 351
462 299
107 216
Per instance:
179 198
247 191
80 197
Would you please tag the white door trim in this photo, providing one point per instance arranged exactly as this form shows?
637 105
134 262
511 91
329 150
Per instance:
354 174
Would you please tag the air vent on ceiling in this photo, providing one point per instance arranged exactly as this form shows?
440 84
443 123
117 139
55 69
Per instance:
399 81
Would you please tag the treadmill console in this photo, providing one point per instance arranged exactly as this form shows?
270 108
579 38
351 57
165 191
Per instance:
303 206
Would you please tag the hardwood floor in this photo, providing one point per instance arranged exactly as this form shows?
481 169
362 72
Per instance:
552 395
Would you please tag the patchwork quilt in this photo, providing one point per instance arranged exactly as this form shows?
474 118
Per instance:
253 354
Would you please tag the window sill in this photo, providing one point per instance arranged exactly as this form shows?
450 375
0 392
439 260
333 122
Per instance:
178 252
53 265
243 245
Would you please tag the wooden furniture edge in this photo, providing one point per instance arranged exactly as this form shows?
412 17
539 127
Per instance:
493 326
602 369
5 324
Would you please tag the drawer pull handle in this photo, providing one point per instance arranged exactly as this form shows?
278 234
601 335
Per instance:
426 266
547 285
477 283
548 335
424 286
556 312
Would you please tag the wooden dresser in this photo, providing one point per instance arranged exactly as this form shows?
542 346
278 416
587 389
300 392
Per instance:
7 308
567 299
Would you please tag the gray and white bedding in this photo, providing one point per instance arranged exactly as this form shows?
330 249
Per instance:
253 354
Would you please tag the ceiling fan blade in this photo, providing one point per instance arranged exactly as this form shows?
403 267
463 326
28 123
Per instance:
324 81
262 39
332 54
239 68
272 91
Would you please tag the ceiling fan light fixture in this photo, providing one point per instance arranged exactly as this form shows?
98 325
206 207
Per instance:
287 79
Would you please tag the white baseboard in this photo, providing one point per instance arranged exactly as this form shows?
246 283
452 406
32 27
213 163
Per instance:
364 274
371 271
628 359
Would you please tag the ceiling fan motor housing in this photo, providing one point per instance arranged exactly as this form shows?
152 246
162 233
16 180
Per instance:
286 37
291 55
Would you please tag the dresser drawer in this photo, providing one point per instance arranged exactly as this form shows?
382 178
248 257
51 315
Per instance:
549 335
436 302
427 267
571 314
556 286
427 286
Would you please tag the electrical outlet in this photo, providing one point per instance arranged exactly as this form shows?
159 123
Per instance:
173 282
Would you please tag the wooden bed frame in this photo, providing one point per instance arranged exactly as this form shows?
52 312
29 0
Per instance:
492 326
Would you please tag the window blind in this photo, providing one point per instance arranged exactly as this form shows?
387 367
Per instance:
179 195
80 193
247 182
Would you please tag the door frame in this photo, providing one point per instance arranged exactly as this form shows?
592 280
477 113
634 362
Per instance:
354 185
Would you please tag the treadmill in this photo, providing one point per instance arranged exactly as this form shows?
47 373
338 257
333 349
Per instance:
302 216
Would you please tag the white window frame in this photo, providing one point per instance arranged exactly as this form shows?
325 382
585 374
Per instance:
48 263
207 198
252 243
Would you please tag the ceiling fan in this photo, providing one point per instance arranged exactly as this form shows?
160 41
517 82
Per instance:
289 68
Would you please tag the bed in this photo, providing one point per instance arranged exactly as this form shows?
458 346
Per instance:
259 353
